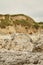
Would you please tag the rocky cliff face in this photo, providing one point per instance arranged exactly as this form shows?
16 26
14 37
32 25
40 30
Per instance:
21 41
21 49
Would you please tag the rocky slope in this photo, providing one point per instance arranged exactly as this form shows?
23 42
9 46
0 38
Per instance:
21 40
21 49
21 58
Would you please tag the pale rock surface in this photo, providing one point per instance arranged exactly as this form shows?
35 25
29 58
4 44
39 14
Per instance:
18 42
21 49
21 58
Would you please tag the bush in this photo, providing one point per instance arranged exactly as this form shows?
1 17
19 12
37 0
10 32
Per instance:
22 22
36 25
4 23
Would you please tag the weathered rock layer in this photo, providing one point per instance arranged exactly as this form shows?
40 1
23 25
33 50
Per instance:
21 49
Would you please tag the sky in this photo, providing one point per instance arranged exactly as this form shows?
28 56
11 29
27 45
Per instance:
32 8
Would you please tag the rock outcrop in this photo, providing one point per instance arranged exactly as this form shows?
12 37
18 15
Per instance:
17 41
22 42
20 58
21 49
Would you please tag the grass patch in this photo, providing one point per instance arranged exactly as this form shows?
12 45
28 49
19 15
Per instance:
4 23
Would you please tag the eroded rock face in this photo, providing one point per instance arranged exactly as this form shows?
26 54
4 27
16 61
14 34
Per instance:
20 58
18 42
21 49
39 43
22 42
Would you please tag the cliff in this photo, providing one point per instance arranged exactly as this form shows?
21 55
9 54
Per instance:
18 23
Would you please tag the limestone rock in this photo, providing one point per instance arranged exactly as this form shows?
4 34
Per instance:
39 43
22 42
18 42
20 58
17 49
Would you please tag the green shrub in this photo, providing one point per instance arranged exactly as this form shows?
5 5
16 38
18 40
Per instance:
42 26
22 22
4 23
36 25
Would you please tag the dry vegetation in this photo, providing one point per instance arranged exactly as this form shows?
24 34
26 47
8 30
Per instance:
19 19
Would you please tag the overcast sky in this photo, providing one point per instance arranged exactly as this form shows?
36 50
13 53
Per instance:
32 8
